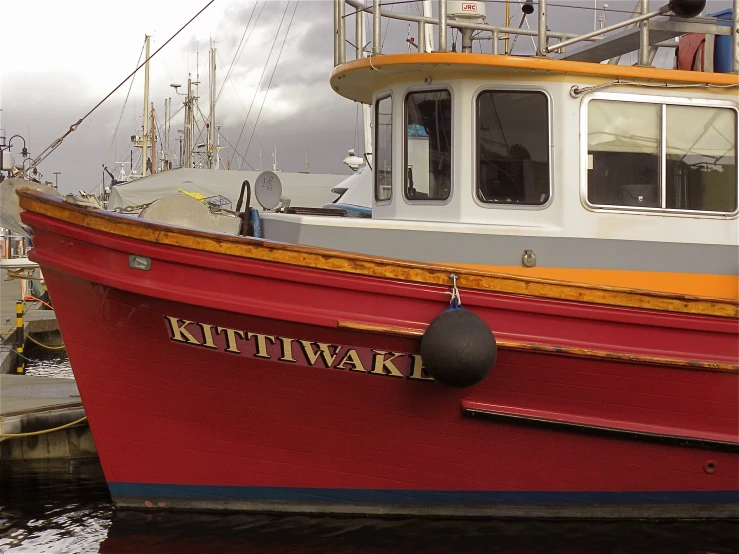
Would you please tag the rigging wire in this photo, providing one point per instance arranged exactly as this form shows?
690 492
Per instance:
125 102
274 70
243 108
239 49
54 145
387 26
259 83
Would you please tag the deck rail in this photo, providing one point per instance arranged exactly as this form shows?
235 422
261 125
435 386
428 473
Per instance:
663 21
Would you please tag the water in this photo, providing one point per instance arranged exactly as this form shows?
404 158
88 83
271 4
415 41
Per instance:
45 366
64 507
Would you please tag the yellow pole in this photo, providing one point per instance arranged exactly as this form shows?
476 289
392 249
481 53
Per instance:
20 338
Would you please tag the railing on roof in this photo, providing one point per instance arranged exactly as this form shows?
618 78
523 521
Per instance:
604 43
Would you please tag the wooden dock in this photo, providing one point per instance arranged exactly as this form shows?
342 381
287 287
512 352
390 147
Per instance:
32 406
35 412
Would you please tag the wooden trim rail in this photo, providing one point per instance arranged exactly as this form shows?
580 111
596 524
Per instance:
505 344
371 266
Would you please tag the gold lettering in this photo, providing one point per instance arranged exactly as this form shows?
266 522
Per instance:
261 344
207 335
323 352
179 332
352 358
287 350
231 338
380 364
417 369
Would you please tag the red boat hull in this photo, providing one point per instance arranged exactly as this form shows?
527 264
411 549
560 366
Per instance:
217 382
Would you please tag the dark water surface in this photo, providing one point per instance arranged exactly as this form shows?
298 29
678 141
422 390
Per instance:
64 507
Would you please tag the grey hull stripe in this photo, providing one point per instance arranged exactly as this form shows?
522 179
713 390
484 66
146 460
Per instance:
551 252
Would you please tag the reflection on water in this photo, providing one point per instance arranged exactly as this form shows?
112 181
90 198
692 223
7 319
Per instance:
53 506
302 534
64 507
48 364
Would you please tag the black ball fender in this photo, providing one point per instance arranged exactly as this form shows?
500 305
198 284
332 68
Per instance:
458 348
687 8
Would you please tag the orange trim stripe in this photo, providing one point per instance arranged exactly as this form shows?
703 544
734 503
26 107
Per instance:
692 284
537 64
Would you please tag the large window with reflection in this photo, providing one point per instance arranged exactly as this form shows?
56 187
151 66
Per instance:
700 148
512 141
428 145
661 156
383 158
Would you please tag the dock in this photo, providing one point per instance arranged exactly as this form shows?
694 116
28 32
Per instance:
41 418
31 408
37 322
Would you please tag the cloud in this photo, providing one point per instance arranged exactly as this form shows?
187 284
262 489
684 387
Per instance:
48 84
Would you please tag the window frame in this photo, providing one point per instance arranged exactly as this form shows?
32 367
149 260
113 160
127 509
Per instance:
663 101
379 97
550 138
421 201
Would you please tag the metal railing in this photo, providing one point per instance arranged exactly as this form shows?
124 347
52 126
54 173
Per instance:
542 34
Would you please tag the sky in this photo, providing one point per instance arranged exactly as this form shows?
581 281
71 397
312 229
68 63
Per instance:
62 58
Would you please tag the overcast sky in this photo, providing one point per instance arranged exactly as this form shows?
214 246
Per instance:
61 58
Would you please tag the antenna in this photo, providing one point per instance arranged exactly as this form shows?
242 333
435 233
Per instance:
268 189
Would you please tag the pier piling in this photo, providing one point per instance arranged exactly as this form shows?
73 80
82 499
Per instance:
20 338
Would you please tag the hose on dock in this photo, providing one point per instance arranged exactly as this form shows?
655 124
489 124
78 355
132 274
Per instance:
34 341
43 432
29 298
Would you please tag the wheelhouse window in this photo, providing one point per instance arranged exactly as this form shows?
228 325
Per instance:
662 156
383 149
512 147
701 159
428 145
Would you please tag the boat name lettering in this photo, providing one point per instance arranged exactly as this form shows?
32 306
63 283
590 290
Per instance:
297 351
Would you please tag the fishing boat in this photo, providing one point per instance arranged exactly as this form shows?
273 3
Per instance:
540 318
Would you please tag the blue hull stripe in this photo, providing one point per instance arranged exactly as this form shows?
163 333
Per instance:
389 496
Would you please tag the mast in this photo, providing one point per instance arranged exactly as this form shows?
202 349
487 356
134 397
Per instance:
366 116
212 129
187 148
165 146
153 142
218 147
145 137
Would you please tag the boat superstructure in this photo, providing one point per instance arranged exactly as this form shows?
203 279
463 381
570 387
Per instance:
554 165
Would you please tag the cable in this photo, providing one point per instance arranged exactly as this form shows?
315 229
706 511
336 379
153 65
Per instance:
62 347
17 435
54 145
17 354
237 54
28 297
256 90
279 55
125 102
